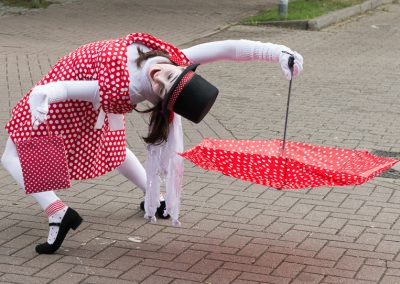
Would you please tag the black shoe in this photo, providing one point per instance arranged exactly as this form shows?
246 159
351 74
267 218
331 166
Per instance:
71 220
160 210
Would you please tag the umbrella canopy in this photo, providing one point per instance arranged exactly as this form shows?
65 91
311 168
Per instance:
300 166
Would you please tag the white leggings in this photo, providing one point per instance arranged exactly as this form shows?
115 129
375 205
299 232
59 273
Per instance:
131 168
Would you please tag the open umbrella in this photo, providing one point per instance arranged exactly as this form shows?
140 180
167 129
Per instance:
285 164
302 165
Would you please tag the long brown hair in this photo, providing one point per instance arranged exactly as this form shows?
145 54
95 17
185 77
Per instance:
159 124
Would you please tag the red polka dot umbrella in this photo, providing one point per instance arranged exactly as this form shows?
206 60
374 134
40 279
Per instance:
287 165
302 165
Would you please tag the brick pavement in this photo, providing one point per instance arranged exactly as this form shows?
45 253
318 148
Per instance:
233 232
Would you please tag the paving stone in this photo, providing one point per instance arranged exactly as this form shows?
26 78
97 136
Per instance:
287 269
312 244
91 270
251 268
264 278
221 233
334 223
200 240
386 217
388 247
106 280
372 273
18 278
334 279
301 209
223 276
153 279
271 260
232 258
239 281
138 273
279 228
207 225
368 238
351 245
308 278
390 279
179 281
181 275
329 271
123 263
190 256
368 254
111 253
295 236
165 264
176 247
350 263
252 250
263 220
292 251
351 230
236 241
206 266
310 261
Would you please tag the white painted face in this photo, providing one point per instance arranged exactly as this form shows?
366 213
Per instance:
162 76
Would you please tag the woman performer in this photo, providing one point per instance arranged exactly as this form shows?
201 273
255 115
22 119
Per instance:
86 94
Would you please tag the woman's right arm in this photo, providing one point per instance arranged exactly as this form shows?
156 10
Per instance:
43 95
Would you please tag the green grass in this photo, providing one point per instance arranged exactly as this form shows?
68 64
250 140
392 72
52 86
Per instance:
30 4
302 10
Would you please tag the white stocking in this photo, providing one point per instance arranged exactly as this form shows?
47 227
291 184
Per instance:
133 170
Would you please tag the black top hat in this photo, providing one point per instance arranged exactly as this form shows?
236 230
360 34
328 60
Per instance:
191 96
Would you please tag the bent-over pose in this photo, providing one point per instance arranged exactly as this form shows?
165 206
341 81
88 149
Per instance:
86 95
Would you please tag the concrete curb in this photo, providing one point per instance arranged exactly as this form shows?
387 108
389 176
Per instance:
331 18
341 15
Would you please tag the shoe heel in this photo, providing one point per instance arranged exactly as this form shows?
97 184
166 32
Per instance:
75 224
75 220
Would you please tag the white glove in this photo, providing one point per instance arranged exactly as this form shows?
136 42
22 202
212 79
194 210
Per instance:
275 53
40 98
284 55
39 105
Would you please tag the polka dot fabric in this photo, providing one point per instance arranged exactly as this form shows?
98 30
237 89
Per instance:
303 165
90 152
43 162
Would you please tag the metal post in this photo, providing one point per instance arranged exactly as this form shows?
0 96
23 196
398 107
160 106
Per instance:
283 8
36 3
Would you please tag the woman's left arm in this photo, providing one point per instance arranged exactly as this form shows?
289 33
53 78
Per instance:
244 50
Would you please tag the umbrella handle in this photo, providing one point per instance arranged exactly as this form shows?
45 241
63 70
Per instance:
290 64
290 61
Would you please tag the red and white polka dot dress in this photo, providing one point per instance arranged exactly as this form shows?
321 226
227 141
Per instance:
90 152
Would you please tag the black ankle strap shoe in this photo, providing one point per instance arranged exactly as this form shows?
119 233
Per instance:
71 220
160 210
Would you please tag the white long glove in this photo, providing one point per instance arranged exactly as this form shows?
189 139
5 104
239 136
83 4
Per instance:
43 95
39 100
39 106
244 50
280 53
284 59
